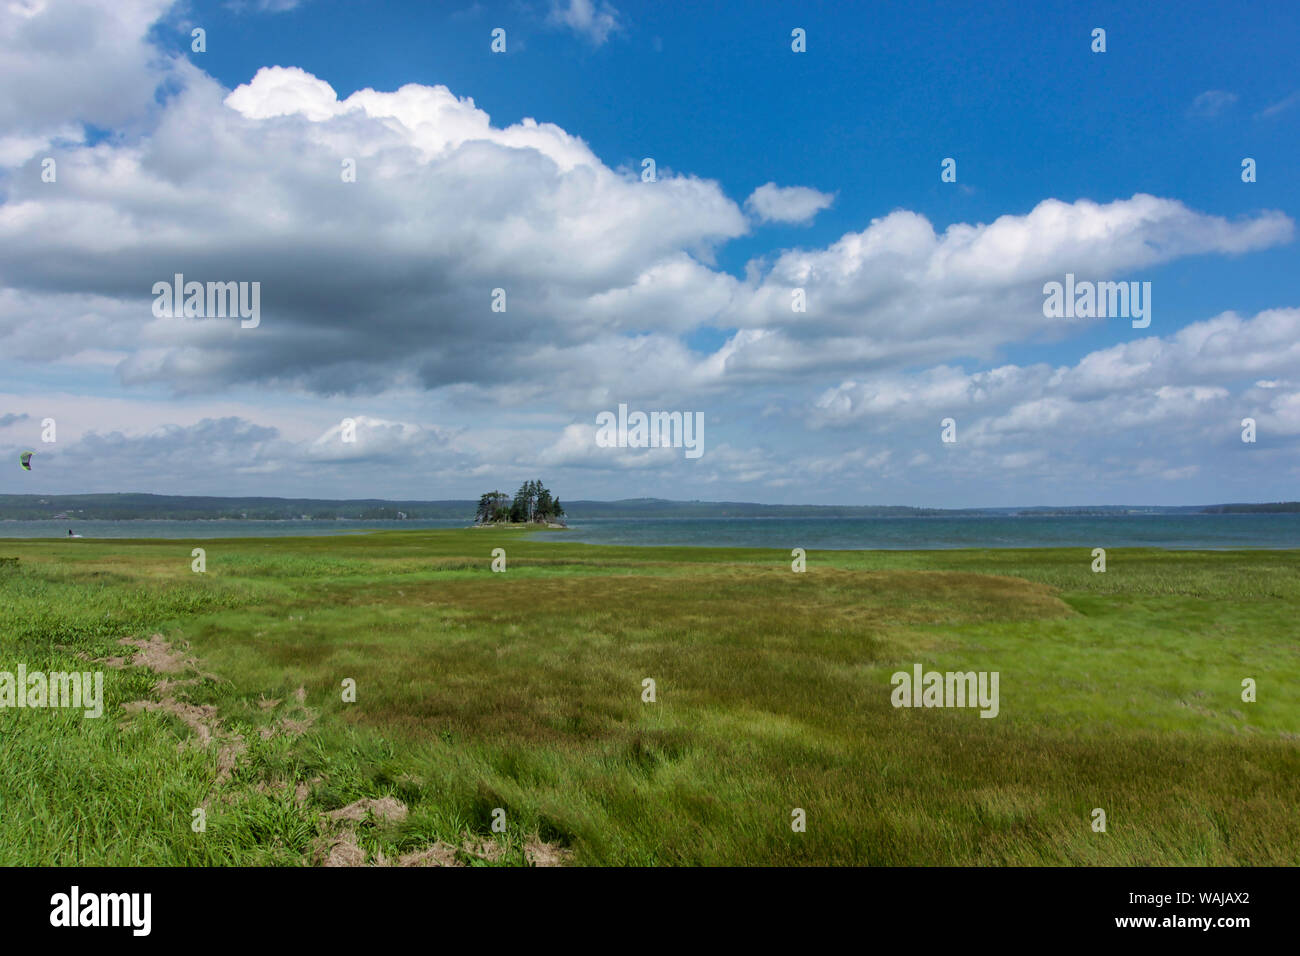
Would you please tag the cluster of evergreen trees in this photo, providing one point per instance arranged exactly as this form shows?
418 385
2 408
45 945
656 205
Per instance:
532 502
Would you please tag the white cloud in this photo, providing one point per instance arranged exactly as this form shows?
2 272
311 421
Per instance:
390 277
792 204
265 6
76 61
897 293
1212 103
1181 389
374 440
593 19
1281 105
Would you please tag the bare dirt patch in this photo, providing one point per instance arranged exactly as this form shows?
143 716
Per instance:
157 655
546 854
338 849
341 848
439 854
384 810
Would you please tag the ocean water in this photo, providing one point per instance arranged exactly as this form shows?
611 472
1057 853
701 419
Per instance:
977 531
144 528
973 531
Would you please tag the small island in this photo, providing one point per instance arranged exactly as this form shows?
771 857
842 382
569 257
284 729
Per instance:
532 504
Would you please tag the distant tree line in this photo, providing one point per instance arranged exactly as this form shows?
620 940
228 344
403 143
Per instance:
532 503
1275 507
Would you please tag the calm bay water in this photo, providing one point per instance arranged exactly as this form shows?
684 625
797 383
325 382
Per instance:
977 531
1114 531
144 528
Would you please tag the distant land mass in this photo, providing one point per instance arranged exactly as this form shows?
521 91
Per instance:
117 507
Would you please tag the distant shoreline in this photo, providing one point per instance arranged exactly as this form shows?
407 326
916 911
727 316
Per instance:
470 525
150 507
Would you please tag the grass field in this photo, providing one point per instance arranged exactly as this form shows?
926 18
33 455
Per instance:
523 691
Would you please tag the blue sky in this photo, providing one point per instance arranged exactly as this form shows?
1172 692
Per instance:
1136 151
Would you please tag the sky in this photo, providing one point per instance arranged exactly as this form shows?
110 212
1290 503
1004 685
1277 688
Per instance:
840 263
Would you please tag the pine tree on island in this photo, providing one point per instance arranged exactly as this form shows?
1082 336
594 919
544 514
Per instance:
532 504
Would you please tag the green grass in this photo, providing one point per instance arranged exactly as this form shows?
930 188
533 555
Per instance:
523 691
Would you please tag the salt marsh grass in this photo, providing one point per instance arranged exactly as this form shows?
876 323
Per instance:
522 691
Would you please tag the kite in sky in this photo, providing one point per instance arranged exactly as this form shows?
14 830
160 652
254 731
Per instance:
26 459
